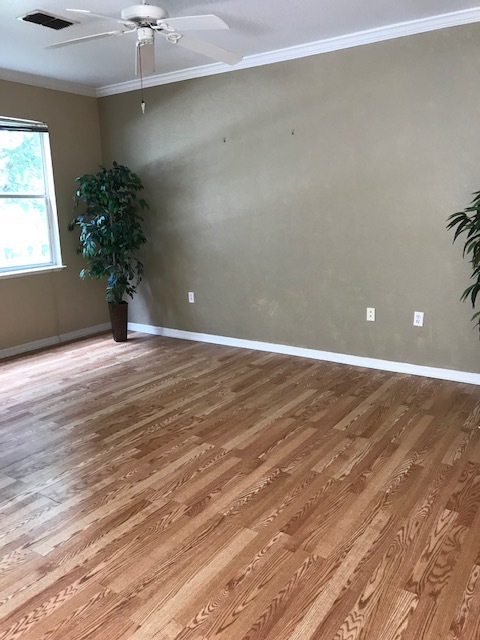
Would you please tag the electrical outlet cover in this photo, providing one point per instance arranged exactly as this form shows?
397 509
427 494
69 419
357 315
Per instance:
418 318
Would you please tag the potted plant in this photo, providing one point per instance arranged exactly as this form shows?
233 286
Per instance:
468 221
110 235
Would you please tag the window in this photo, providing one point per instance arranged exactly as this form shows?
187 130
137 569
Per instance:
28 222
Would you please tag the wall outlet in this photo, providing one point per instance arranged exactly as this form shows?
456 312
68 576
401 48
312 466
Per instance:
418 318
191 296
371 314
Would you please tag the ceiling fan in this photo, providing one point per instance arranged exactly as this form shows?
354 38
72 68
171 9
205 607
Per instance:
146 21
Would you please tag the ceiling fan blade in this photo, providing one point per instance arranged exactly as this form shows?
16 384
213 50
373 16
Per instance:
190 23
145 59
99 15
205 48
96 36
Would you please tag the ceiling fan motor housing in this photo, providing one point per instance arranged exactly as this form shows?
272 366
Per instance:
144 14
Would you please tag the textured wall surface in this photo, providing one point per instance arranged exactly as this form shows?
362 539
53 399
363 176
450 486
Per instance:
40 306
288 238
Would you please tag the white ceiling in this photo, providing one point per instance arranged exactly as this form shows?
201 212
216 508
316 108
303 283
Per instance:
256 27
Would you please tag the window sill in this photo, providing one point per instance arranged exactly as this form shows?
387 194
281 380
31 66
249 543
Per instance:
30 272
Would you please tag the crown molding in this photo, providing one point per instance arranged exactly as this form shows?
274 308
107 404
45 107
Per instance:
370 36
47 83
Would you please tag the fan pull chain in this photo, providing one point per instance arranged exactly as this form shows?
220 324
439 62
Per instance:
142 103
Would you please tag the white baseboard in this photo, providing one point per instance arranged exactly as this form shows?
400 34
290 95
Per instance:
329 356
53 340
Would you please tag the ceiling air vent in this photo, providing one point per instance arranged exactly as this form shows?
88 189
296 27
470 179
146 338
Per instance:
47 20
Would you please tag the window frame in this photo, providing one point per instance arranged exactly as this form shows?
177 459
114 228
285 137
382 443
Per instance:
48 197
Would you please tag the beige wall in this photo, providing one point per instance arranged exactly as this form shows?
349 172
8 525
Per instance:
288 238
35 307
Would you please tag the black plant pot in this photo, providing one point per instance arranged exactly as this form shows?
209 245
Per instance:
119 319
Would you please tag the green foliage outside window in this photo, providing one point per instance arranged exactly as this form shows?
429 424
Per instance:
21 168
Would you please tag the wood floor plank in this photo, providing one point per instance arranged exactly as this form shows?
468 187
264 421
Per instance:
466 624
330 591
169 490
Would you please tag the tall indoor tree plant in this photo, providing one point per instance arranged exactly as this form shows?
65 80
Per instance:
468 222
111 234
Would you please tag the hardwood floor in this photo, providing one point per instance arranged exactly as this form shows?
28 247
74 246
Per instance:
169 490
